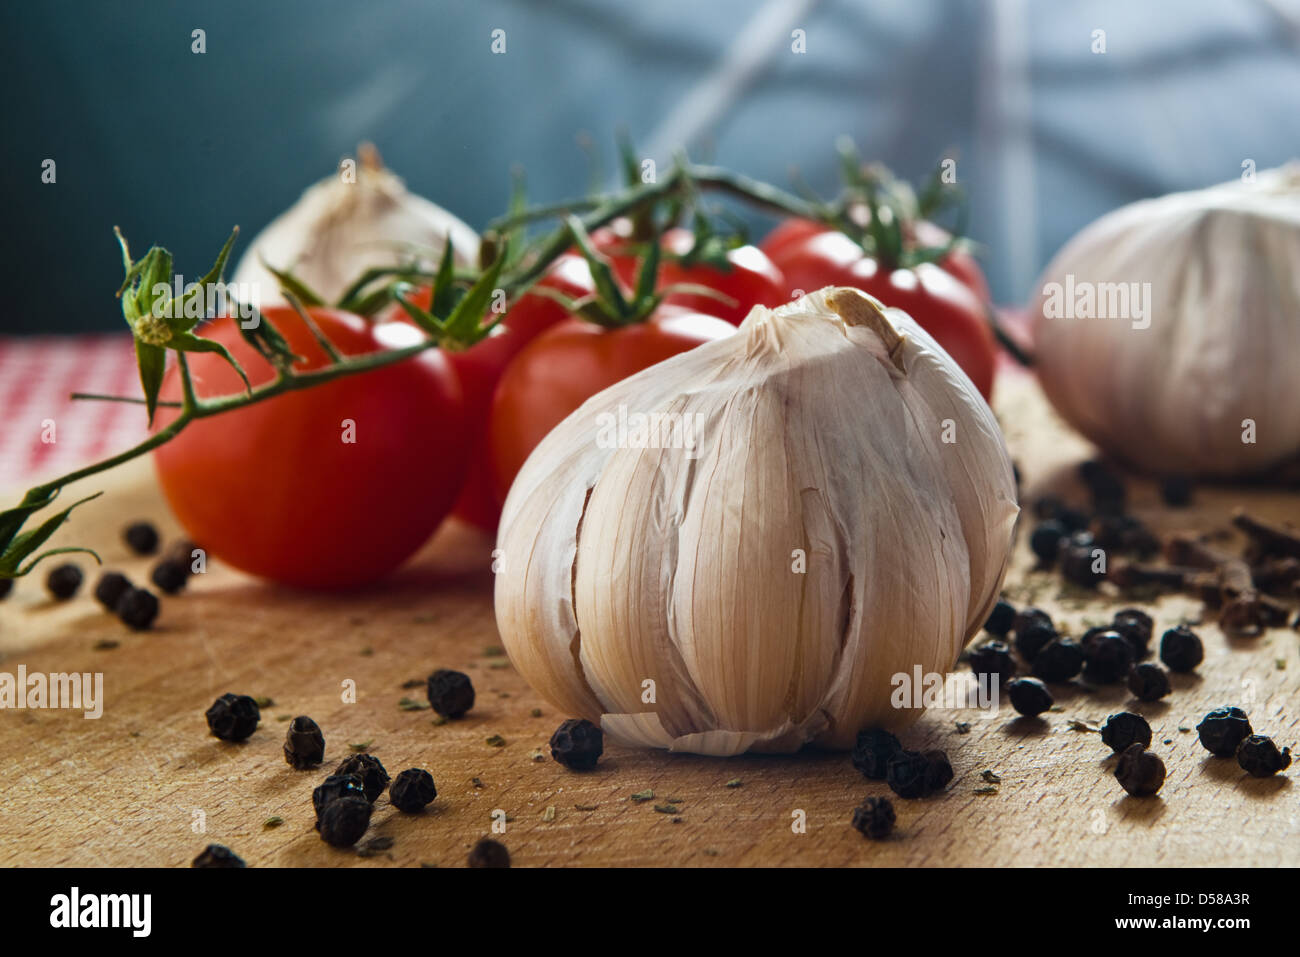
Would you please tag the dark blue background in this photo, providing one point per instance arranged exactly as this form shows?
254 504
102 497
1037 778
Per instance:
176 147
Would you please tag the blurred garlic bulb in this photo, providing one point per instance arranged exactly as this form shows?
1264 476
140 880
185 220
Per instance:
1168 331
837 509
346 224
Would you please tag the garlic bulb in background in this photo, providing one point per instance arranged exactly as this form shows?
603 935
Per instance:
1168 331
342 226
837 509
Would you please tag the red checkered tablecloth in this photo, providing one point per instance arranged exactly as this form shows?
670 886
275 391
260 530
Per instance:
37 376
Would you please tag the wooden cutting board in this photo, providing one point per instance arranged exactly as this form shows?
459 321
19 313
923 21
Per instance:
145 784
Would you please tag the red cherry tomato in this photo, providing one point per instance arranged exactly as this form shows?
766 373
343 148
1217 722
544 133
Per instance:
944 307
327 487
570 363
480 367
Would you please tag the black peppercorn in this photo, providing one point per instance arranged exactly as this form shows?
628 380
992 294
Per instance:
1140 772
451 693
233 717
1124 729
218 855
1107 658
169 575
1029 696
64 581
577 744
1223 729
993 658
912 774
1106 486
938 771
489 853
1059 661
343 821
110 588
1137 627
1181 649
874 818
304 744
1000 618
367 767
1148 682
1074 519
1027 616
872 751
334 787
1032 637
1176 490
141 538
1045 541
1079 565
1049 506
137 607
182 552
6 586
1258 755
412 790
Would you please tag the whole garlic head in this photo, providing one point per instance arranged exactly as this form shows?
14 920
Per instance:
837 510
1168 331
344 225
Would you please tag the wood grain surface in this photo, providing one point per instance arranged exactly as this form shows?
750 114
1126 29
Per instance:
145 784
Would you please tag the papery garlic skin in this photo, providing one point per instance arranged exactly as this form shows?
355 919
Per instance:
338 229
1200 385
824 432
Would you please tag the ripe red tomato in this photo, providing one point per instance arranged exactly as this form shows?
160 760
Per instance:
945 307
570 363
284 489
752 279
480 367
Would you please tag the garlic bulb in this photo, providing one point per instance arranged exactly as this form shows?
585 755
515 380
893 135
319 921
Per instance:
360 217
837 510
1168 331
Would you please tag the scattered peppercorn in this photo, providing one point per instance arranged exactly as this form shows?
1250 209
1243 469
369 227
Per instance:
1181 649
1059 660
304 744
872 751
1176 490
1048 506
1124 729
993 658
169 575
451 693
110 587
1140 772
1107 658
1000 618
334 787
137 607
233 717
371 771
141 538
1137 627
182 552
1029 696
412 790
1079 564
343 821
63 581
1045 541
1105 484
913 774
874 818
218 855
1027 616
577 744
1258 755
1223 729
489 853
1033 636
1148 682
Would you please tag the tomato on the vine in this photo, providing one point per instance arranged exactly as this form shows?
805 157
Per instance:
481 366
570 363
327 487
944 306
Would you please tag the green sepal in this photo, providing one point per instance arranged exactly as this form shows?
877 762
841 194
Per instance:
442 298
22 545
266 339
602 273
152 362
465 326
184 322
287 280
188 342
